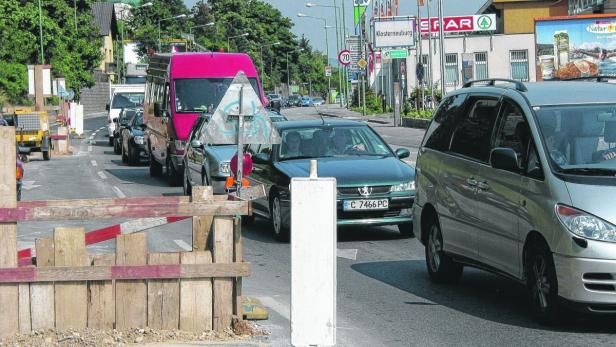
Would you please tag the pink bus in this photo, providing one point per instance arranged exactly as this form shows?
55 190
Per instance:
179 87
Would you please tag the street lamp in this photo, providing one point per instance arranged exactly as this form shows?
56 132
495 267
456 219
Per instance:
288 74
329 79
234 37
199 26
166 19
262 63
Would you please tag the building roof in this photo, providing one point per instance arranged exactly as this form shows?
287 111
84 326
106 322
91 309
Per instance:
104 18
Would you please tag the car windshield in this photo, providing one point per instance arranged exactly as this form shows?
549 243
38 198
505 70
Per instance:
127 100
197 94
127 115
327 141
580 139
135 80
138 119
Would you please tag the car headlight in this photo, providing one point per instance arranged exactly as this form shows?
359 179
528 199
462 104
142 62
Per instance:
586 225
138 140
403 187
224 167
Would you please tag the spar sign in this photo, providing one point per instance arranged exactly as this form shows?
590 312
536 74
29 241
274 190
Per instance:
458 24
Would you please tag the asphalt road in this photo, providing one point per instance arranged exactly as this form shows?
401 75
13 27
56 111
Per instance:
384 295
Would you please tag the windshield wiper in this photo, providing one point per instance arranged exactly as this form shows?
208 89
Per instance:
298 157
590 171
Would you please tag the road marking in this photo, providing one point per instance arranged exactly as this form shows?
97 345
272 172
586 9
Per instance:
102 175
27 185
118 192
89 148
279 307
347 253
183 245
94 163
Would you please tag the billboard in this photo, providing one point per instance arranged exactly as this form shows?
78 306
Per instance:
394 32
460 24
572 47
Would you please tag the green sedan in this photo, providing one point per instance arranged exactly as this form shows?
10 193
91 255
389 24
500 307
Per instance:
375 187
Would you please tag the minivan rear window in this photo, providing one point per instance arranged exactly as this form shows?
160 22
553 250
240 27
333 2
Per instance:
197 94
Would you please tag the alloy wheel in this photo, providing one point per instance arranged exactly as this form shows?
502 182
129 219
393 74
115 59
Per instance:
435 248
541 286
276 216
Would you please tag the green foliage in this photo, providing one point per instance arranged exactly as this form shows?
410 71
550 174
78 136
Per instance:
424 114
72 54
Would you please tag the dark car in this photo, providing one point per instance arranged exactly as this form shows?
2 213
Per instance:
375 187
133 144
294 100
121 122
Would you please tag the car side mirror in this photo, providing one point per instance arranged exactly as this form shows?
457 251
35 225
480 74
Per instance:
402 153
504 159
158 109
107 107
196 144
261 158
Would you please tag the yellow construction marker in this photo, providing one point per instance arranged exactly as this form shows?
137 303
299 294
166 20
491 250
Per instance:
253 309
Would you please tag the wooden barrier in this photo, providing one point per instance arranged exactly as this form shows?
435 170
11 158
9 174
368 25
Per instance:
69 289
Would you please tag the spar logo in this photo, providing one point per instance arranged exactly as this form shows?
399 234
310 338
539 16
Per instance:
602 27
484 22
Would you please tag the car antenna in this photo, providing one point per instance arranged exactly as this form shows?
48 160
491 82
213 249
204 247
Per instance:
322 119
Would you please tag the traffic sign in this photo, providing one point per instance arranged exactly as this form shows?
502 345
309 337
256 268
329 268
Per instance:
328 71
396 54
362 63
344 57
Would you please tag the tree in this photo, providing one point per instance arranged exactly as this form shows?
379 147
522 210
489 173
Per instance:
72 54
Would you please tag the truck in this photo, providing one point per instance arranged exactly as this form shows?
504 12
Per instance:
122 96
31 129
135 73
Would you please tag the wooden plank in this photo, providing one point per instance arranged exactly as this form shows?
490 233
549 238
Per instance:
131 296
9 293
153 200
201 224
25 322
101 304
107 211
42 299
223 287
71 298
117 272
196 296
237 258
164 295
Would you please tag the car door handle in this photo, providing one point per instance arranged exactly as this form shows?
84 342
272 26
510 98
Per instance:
471 182
483 185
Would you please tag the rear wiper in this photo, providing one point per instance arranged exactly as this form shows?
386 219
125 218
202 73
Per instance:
590 171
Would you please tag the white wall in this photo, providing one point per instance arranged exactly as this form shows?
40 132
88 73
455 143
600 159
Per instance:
499 65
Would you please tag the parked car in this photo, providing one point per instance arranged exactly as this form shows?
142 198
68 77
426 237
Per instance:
306 101
189 84
274 97
133 142
294 100
519 180
317 101
122 96
121 121
209 164
375 187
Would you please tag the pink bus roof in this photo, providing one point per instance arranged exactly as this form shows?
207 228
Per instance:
210 64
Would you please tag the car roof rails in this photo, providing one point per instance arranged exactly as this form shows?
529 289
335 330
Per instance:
519 86
600 78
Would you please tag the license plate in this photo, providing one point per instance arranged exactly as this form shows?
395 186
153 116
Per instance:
359 205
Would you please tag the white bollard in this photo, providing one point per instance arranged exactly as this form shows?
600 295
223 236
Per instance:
79 120
72 113
313 260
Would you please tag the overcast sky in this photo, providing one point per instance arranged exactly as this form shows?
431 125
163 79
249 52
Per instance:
306 26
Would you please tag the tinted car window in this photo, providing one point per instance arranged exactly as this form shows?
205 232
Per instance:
472 136
438 134
514 132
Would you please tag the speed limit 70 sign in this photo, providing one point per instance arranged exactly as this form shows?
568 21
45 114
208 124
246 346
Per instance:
344 57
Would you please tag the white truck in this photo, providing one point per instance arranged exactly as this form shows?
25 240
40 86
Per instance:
123 96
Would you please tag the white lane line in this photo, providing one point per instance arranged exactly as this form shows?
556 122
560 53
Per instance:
102 175
183 245
347 253
281 308
89 148
93 163
118 192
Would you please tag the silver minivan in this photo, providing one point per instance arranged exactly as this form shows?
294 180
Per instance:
520 179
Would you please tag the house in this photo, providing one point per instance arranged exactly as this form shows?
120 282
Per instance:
105 20
518 16
591 6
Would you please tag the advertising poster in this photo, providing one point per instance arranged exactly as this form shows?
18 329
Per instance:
576 47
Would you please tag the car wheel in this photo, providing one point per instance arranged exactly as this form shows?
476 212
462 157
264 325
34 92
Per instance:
542 284
116 146
111 140
406 230
187 187
280 232
124 155
133 156
173 177
156 170
441 268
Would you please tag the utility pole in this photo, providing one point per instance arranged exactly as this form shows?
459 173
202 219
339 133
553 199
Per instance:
420 98
431 84
345 69
41 32
363 46
441 40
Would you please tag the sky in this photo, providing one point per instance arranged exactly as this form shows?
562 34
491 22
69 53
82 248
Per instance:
306 26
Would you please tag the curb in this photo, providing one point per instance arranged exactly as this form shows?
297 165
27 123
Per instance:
418 123
369 120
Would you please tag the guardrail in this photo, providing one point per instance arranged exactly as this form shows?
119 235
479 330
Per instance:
70 289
